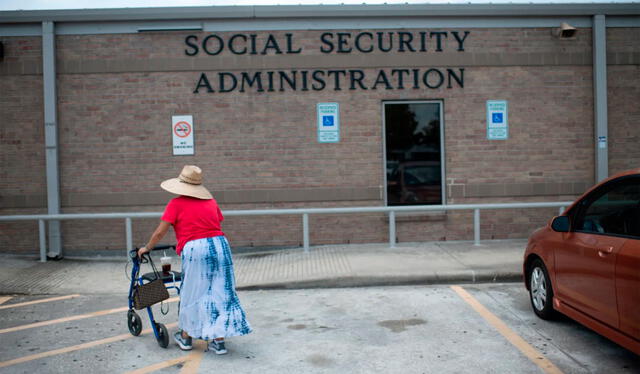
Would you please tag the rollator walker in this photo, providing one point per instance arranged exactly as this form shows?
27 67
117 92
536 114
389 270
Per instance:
170 279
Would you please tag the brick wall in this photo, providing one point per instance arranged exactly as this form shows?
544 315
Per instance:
117 93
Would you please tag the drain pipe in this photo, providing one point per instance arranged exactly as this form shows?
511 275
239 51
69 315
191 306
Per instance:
600 96
51 135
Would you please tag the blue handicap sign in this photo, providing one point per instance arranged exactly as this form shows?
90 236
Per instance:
327 120
496 118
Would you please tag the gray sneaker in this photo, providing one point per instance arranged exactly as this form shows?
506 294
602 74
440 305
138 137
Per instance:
218 347
184 344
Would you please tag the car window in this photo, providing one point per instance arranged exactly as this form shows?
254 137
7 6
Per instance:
615 209
422 175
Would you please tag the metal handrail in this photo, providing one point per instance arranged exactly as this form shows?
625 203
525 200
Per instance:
305 212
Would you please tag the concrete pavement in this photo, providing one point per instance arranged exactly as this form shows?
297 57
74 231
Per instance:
352 265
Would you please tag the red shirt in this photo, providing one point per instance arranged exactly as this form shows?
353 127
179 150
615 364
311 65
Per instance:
193 219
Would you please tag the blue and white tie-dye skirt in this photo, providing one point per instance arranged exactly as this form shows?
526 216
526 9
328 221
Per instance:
209 305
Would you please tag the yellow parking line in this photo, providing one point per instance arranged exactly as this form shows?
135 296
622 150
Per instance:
162 365
3 300
533 354
192 362
73 348
72 318
191 366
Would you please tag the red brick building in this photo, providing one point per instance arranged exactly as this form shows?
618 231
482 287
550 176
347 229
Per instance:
90 96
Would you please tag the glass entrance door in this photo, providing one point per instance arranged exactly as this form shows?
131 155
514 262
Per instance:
414 153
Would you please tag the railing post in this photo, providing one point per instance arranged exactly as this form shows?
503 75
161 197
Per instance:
129 233
305 231
43 240
476 226
392 229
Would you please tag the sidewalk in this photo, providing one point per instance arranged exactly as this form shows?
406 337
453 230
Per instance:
353 265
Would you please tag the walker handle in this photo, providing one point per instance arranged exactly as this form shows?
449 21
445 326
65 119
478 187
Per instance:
163 247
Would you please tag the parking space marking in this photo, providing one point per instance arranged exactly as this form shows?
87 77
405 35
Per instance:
77 347
192 362
4 299
58 298
192 366
72 318
161 365
533 354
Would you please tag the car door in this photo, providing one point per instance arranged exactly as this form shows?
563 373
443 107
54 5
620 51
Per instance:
585 262
628 285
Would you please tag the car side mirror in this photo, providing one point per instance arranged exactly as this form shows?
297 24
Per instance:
560 224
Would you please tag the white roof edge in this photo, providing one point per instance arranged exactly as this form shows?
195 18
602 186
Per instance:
321 11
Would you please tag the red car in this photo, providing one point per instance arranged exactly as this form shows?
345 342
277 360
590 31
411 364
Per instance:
585 263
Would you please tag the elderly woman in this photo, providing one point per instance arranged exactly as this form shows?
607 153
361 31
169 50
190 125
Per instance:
209 306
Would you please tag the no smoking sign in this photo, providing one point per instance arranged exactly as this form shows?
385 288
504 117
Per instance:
182 133
182 129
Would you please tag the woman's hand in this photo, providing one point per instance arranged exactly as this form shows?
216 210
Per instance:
142 251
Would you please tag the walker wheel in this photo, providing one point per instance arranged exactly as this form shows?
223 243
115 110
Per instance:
163 335
134 322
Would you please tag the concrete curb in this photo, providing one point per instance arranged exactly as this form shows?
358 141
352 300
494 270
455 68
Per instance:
381 281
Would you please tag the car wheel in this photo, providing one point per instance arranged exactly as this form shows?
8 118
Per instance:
540 290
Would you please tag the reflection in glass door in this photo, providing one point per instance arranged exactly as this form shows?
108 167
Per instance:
413 151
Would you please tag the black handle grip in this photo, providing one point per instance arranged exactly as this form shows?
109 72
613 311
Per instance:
164 246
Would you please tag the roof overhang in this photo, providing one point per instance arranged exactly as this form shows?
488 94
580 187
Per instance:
321 11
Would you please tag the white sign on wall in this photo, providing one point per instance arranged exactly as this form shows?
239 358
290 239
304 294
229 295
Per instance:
497 120
182 132
328 122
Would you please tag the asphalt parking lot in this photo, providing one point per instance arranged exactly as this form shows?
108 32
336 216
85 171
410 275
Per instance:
481 328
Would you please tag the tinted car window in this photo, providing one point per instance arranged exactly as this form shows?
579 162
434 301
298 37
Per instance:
615 209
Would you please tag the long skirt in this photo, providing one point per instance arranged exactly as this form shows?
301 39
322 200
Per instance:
209 305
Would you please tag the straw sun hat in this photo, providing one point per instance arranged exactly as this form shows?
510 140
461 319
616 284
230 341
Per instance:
188 183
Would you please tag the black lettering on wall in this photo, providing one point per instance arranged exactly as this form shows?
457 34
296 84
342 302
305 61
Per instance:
318 80
382 78
343 42
271 43
439 35
399 72
304 80
270 77
405 40
460 41
416 78
222 86
203 82
205 45
359 47
231 44
257 80
318 77
423 41
194 46
336 75
356 76
325 38
381 42
457 78
438 76
291 81
253 44
290 44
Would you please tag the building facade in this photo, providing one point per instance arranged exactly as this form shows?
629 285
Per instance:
314 106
